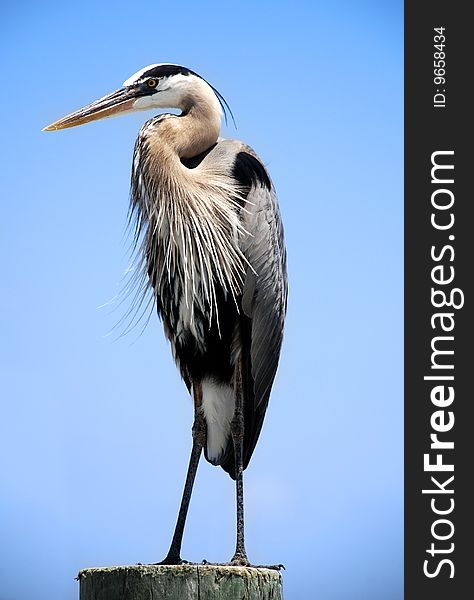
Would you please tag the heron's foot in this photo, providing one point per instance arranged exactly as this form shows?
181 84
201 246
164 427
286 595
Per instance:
239 560
172 559
278 567
244 562
231 563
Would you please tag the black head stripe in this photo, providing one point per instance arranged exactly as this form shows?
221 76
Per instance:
168 70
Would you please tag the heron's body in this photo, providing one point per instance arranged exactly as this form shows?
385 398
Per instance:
211 247
200 302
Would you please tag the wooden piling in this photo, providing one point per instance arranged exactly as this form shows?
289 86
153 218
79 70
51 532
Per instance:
180 582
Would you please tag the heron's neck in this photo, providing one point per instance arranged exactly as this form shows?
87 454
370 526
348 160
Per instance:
199 125
185 136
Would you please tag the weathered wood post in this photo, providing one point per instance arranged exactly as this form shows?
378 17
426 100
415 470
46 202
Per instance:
183 582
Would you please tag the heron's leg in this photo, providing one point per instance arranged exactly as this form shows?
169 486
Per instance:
237 431
199 439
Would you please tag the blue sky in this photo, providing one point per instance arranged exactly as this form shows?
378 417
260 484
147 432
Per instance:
95 430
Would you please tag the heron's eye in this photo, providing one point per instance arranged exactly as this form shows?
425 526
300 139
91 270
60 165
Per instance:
152 83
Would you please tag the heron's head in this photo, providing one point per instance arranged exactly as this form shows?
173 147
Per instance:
154 87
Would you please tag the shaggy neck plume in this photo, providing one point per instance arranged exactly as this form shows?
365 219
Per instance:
187 219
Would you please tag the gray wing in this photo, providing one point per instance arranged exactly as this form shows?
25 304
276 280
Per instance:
264 297
264 294
265 289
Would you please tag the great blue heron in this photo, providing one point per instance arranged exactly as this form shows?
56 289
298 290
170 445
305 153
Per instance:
211 247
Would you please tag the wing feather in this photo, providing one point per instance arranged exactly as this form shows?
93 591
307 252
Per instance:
264 296
265 300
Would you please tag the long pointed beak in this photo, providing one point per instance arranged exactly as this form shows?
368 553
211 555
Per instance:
112 105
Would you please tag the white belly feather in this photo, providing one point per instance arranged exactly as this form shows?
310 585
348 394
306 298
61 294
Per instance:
218 406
